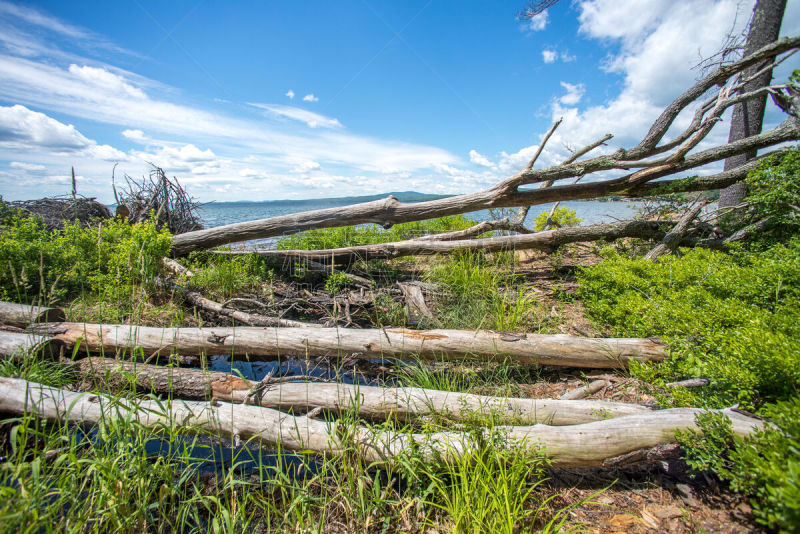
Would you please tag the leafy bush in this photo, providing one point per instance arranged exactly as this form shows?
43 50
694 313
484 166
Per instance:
40 264
765 465
732 318
774 191
369 234
222 276
561 217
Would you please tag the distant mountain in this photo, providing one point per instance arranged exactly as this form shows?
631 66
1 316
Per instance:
402 196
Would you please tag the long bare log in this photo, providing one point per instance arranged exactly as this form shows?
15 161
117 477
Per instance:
21 315
371 402
527 349
19 345
507 193
546 240
576 445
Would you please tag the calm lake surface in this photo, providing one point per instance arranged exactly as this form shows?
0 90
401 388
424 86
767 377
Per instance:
220 213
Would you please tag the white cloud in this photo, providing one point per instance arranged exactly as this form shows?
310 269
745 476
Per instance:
538 23
574 93
26 128
313 120
135 135
107 81
479 159
26 166
290 94
551 55
310 98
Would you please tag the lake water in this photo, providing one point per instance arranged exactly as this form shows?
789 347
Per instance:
221 213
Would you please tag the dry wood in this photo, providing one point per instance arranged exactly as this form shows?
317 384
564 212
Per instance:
526 349
196 299
584 391
507 193
18 345
415 302
175 267
547 241
674 236
21 315
689 383
298 395
576 445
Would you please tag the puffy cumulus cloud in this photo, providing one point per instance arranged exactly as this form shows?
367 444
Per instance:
290 94
136 136
312 120
479 159
549 56
33 167
27 128
106 153
183 158
574 93
107 81
310 98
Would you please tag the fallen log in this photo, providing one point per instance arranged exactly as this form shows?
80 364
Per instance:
547 240
21 315
18 345
371 402
576 445
526 349
584 391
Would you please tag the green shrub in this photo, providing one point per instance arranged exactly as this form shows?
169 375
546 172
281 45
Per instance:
561 217
222 276
765 465
732 318
59 264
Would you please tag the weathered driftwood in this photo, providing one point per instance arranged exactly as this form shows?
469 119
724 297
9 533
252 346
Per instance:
673 158
576 445
21 315
415 303
197 299
547 240
371 402
584 391
18 345
674 236
527 349
689 383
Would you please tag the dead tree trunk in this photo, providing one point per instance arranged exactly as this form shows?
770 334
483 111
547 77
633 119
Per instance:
21 315
526 349
748 116
647 158
299 396
576 445
547 240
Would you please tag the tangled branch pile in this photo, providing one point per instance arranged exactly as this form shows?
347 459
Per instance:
55 211
164 197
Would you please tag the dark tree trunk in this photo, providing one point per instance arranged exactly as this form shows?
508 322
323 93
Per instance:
748 116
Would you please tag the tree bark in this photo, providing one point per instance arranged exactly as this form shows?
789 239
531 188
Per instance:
674 236
526 349
372 402
19 345
21 315
567 446
748 116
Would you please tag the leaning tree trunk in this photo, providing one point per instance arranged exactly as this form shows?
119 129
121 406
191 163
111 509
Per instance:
526 349
576 445
749 115
299 396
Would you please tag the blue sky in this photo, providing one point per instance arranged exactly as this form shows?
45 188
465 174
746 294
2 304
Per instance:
269 100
